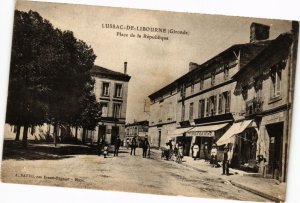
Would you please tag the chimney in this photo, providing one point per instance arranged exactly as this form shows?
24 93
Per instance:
192 66
259 32
125 68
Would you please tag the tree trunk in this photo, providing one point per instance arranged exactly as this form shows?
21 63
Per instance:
76 134
18 133
55 133
25 133
83 135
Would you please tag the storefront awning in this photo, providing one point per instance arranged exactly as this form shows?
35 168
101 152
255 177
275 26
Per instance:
205 130
179 132
235 129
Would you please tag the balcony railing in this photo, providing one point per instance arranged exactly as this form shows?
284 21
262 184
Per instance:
254 106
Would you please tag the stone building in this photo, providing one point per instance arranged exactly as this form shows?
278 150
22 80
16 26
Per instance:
162 119
111 91
242 98
137 129
266 85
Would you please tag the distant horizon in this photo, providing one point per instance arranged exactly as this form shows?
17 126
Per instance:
152 62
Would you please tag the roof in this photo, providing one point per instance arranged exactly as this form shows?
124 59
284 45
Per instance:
249 51
102 72
279 46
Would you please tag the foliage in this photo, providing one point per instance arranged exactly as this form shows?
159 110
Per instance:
50 77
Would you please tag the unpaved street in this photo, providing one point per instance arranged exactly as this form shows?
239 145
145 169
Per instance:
123 173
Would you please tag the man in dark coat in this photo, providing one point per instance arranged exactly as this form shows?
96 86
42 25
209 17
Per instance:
117 146
145 147
133 145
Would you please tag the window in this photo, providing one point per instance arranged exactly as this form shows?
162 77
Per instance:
191 115
182 90
227 101
182 112
118 90
161 113
105 89
220 110
258 87
117 111
211 107
245 92
192 88
213 77
170 111
276 83
201 83
104 109
226 71
207 107
201 108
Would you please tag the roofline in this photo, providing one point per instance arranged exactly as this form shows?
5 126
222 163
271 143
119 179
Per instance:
267 49
200 67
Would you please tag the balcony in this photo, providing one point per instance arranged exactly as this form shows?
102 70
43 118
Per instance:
254 106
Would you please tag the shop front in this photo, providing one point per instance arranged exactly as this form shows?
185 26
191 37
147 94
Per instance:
205 136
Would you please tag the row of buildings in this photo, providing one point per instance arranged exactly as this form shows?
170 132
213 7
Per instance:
242 98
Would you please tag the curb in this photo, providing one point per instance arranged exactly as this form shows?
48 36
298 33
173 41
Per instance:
264 195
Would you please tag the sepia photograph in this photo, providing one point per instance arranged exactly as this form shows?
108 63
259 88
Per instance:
150 102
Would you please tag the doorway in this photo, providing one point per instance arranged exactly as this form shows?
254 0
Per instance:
114 134
275 132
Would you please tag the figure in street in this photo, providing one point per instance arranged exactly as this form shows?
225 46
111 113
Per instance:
145 147
105 150
205 150
133 146
127 143
117 146
213 156
195 150
225 162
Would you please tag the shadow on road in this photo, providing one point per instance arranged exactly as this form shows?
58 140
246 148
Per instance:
43 151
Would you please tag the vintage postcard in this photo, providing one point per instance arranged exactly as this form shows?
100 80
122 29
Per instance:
150 102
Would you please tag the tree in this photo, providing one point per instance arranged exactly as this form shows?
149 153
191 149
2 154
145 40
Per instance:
50 71
90 109
27 89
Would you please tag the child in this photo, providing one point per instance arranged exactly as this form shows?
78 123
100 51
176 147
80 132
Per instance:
105 150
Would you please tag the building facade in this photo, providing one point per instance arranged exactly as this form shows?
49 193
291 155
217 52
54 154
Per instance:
242 98
111 91
266 87
137 129
162 119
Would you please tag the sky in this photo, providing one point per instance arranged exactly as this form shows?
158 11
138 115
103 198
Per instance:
152 64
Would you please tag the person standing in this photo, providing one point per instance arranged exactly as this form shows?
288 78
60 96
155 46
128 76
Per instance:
133 146
117 146
225 162
213 156
127 143
145 147
205 149
195 151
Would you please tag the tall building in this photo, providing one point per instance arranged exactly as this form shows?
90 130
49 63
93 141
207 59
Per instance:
266 88
111 91
242 98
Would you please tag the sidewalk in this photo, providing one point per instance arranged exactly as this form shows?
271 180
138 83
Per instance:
267 188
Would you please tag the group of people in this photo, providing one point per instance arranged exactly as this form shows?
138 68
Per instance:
133 145
213 156
172 150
